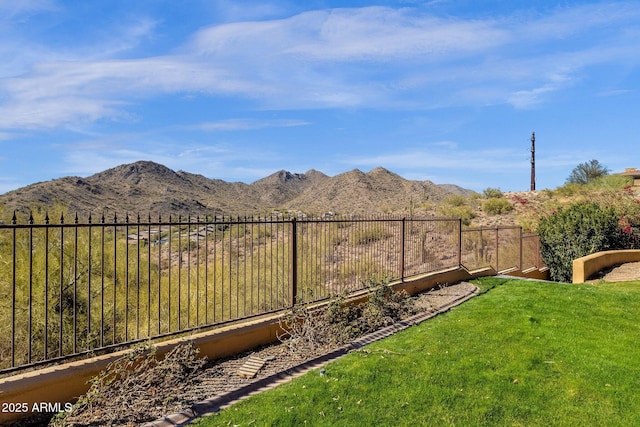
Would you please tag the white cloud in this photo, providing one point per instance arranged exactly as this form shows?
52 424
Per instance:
372 57
527 98
370 33
11 9
245 124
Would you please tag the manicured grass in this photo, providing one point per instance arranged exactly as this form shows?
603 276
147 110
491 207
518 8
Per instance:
522 353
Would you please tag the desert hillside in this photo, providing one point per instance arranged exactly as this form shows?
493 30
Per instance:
149 188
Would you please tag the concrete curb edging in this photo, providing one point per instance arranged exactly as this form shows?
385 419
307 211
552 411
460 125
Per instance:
222 401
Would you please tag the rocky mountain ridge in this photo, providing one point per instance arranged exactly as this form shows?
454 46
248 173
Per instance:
146 187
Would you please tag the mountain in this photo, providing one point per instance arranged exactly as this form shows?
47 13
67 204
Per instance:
279 188
376 191
149 188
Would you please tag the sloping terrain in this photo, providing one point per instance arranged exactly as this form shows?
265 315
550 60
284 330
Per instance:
149 188
378 191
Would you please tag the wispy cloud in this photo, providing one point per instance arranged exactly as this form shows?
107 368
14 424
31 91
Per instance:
388 57
10 9
244 124
440 161
348 35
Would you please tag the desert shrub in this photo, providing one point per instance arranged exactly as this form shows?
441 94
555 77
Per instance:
610 182
492 193
262 231
465 213
547 193
575 231
457 206
456 200
568 190
426 205
370 234
496 206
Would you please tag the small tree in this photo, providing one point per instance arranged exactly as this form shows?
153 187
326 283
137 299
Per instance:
586 172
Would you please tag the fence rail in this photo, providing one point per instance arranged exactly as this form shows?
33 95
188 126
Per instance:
75 287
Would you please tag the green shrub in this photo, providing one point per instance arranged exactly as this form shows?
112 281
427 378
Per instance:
370 234
573 232
496 206
611 182
568 190
457 206
456 200
492 193
465 213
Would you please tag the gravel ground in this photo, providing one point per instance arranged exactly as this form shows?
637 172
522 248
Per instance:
619 273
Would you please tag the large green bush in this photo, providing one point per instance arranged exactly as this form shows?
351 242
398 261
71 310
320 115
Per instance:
575 231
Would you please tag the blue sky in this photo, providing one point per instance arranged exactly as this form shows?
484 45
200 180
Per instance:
441 90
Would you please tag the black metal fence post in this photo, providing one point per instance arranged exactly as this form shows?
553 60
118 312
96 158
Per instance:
13 295
497 245
460 242
521 245
293 254
403 249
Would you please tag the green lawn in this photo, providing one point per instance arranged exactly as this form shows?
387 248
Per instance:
522 353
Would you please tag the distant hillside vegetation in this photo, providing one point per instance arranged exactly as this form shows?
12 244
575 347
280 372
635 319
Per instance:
149 188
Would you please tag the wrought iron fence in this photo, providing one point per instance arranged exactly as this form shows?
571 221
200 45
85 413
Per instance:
500 248
75 287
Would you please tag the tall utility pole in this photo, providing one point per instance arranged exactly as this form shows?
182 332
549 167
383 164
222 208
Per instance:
533 161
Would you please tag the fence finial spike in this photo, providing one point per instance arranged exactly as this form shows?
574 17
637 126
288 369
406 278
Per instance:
14 219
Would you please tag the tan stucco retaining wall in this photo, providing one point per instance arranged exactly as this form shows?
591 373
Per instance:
65 383
590 264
